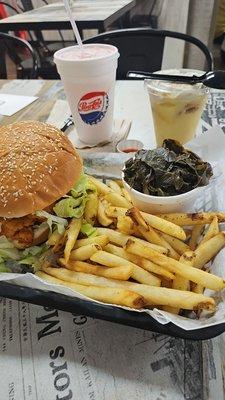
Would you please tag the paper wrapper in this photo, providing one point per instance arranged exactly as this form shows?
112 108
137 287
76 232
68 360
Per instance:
211 147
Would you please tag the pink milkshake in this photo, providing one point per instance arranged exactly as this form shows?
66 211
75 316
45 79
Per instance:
88 77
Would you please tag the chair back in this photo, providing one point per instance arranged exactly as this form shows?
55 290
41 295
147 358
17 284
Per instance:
18 50
141 49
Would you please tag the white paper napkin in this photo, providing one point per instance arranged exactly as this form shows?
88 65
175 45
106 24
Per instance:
23 87
11 104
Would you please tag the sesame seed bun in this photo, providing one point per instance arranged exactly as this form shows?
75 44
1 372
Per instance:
38 165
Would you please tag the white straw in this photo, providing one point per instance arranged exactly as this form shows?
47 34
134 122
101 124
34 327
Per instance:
73 23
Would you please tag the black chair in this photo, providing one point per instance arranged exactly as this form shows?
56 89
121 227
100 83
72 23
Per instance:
141 49
15 11
21 54
49 49
44 52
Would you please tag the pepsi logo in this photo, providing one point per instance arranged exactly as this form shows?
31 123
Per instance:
92 107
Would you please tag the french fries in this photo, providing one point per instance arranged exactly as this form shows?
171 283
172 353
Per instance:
105 294
153 295
122 273
179 282
195 235
119 182
193 274
213 230
116 199
162 225
155 221
198 288
71 235
136 259
206 251
179 246
100 186
115 187
84 253
115 212
137 217
200 218
102 217
138 273
91 208
149 233
120 239
156 269
126 195
125 225
54 238
142 262
102 241
153 237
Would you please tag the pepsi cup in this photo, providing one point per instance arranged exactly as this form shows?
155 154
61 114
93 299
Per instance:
88 76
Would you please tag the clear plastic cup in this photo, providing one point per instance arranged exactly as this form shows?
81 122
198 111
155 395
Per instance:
88 77
176 107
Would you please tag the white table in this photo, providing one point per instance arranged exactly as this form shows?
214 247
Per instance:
47 353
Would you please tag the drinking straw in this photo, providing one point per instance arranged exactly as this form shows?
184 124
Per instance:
73 23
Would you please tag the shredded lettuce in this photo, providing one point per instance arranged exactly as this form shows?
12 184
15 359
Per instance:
60 223
88 230
73 206
82 187
7 250
70 207
5 243
4 268
14 254
28 260
33 250
31 255
11 258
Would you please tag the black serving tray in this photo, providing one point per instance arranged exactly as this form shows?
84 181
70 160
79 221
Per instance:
105 312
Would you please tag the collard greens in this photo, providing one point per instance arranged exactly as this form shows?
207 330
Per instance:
166 171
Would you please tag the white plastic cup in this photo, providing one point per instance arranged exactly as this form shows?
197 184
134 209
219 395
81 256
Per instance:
176 107
88 78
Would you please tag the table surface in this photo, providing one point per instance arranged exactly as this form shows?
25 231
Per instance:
86 12
118 362
131 103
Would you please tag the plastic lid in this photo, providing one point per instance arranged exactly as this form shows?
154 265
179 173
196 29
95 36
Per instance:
174 88
91 53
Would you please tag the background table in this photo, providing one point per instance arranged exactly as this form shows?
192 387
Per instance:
89 14
131 102
103 360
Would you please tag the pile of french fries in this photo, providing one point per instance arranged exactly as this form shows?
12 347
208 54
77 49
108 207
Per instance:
137 259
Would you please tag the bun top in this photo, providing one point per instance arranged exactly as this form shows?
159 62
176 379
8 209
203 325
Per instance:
38 165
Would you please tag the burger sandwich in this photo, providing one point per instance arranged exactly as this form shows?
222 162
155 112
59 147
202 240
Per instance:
42 188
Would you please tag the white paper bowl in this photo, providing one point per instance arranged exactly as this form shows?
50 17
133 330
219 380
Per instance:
158 204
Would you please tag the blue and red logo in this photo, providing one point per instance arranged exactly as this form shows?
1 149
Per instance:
92 107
